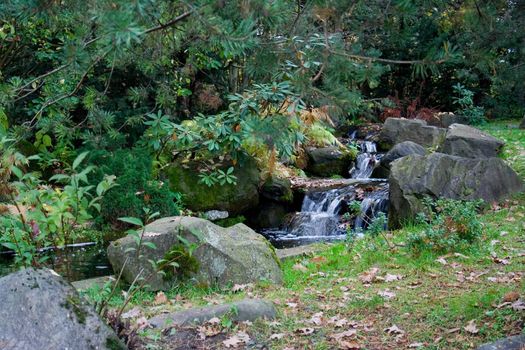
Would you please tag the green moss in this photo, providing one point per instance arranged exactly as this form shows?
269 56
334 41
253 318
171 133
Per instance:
74 304
186 263
231 221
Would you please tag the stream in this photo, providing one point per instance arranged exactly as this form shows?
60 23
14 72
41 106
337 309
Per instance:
320 218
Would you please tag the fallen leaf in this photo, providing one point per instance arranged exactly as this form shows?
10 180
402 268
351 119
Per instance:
394 330
160 298
386 294
277 336
416 345
392 278
442 261
471 327
239 287
236 340
318 259
214 320
141 323
291 305
300 267
305 331
346 334
511 296
316 319
369 276
518 305
348 345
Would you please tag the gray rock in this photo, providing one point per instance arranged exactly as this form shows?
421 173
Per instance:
447 119
269 215
466 141
398 151
328 161
236 254
244 310
522 124
91 282
397 130
214 215
233 198
40 310
439 175
277 190
516 342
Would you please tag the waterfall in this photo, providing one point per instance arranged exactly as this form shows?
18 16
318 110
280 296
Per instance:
366 160
373 204
320 215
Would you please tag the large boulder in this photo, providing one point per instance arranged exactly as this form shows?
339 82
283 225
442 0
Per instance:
277 189
400 150
397 130
328 161
40 310
439 175
446 119
235 254
466 141
235 199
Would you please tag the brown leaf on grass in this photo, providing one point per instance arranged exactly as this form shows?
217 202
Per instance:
346 334
386 294
277 336
160 298
318 259
369 276
348 345
394 330
305 331
518 305
316 319
236 340
292 305
511 296
391 278
502 261
300 267
239 287
471 327
415 345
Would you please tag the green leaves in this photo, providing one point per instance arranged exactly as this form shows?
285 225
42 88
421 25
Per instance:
132 221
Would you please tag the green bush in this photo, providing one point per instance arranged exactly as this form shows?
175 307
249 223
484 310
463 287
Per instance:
136 187
448 225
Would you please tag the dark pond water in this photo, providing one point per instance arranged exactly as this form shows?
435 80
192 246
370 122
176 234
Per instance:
86 262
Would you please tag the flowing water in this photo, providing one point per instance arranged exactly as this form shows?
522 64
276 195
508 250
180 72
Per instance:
321 214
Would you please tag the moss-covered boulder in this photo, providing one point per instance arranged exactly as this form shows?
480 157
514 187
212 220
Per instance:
236 254
235 199
329 161
41 310
400 150
439 175
277 189
396 130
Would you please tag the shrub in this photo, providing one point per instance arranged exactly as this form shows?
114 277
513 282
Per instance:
448 225
136 188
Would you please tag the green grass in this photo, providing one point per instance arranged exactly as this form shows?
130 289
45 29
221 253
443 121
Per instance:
430 300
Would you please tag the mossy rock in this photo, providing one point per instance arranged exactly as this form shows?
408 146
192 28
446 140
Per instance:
329 161
235 199
225 256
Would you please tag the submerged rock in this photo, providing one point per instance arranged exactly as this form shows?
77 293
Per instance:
328 161
439 175
466 141
397 130
235 199
244 310
236 254
40 310
400 150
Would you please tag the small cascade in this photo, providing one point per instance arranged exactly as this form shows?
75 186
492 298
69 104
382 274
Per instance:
373 204
366 160
320 215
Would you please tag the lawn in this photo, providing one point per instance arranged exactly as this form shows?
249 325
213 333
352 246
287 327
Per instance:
374 295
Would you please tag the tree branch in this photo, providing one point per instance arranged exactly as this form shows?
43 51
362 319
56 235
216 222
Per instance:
169 23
